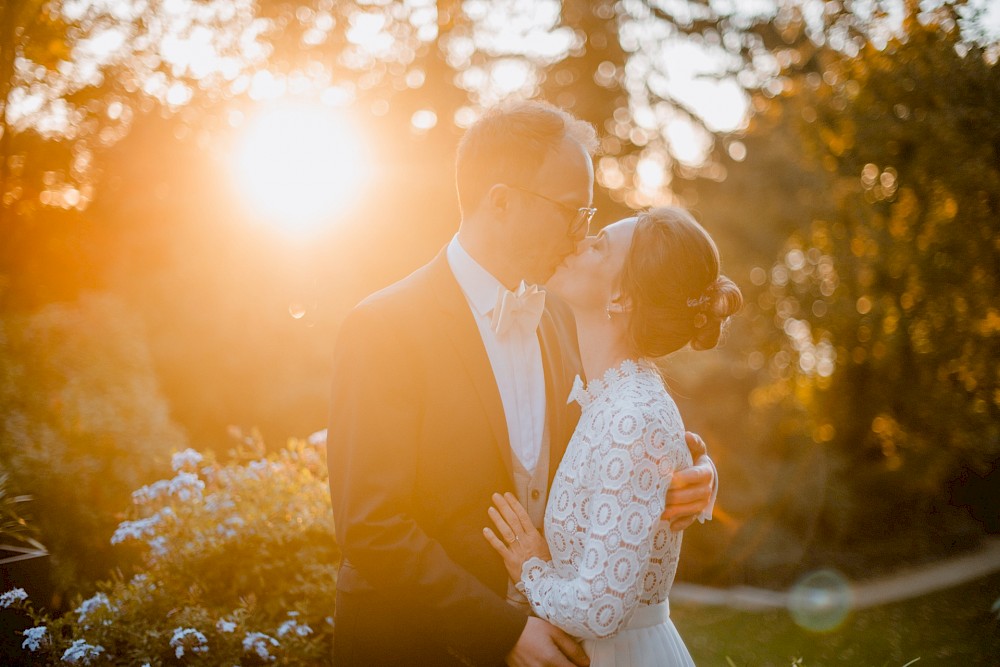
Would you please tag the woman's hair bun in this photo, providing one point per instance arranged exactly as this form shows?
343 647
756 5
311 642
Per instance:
721 300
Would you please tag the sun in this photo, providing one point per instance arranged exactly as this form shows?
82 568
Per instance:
299 165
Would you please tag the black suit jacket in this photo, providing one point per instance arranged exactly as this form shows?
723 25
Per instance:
417 444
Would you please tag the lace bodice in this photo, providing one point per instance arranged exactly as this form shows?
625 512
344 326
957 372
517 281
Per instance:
610 551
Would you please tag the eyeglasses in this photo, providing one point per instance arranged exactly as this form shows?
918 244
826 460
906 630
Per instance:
580 221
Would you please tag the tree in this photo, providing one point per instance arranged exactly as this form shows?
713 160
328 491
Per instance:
887 301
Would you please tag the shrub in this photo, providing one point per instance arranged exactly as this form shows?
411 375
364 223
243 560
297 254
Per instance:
238 564
82 423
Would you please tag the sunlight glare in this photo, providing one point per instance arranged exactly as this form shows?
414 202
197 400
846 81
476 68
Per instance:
298 165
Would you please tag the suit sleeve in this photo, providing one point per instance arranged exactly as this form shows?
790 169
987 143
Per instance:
377 406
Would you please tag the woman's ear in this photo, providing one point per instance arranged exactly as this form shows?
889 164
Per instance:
620 304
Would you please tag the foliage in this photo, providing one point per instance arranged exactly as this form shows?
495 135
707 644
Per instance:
238 564
14 529
131 200
75 77
888 304
82 422
857 396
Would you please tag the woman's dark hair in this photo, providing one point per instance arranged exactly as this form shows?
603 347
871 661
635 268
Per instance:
672 282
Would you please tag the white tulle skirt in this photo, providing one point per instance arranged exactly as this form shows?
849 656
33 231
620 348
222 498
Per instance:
648 640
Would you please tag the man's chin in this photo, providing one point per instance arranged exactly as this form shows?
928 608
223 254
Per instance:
555 280
541 277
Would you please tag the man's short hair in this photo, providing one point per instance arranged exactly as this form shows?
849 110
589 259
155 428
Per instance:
508 145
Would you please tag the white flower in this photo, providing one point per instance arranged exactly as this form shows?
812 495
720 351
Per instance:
292 625
261 469
258 643
87 607
188 638
186 487
225 626
217 502
12 596
33 638
81 653
158 545
318 438
150 492
136 530
189 458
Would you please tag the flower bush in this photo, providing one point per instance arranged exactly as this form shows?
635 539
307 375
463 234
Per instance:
238 564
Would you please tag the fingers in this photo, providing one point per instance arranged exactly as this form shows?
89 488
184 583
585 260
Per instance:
571 649
541 643
691 510
503 527
505 505
522 514
688 495
686 492
692 476
678 525
495 542
695 444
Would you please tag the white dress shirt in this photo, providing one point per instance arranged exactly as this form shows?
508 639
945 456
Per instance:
516 358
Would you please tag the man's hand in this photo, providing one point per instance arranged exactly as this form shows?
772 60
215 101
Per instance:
542 644
690 489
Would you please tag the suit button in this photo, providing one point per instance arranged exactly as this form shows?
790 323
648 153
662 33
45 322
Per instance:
535 494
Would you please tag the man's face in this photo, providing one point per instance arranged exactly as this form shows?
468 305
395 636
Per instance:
544 210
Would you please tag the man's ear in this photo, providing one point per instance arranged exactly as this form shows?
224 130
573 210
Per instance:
498 198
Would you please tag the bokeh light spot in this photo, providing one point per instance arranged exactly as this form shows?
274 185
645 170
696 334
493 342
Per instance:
423 120
820 601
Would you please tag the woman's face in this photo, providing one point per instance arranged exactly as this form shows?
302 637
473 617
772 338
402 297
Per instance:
588 279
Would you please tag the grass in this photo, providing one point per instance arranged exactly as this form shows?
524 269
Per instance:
952 627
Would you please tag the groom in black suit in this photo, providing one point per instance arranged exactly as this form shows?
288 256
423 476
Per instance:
425 391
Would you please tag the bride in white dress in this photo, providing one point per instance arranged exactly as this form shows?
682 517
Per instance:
641 289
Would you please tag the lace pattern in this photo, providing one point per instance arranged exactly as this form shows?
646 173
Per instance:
610 551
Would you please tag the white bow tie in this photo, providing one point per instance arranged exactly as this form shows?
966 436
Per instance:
517 310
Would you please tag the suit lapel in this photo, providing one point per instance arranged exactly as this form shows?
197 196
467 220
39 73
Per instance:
558 414
460 327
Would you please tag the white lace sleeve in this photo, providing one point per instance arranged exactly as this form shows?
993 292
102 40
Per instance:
618 498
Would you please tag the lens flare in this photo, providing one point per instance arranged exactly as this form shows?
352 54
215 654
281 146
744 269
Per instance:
300 165
820 601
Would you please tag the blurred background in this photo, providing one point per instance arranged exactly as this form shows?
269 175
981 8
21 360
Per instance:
193 193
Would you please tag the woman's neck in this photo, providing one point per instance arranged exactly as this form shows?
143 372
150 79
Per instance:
602 341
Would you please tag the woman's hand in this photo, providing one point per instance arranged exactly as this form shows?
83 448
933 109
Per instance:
520 539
